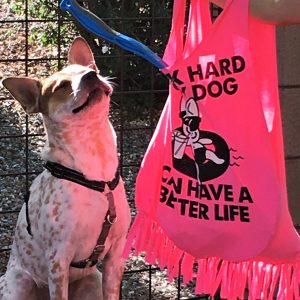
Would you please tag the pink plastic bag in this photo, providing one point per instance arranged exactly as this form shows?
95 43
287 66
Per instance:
212 184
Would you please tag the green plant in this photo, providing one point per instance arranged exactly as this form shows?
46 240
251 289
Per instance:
146 21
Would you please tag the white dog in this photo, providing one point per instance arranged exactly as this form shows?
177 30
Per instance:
77 211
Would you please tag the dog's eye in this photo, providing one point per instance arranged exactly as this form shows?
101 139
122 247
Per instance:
62 85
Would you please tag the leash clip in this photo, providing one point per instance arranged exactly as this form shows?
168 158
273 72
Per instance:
110 220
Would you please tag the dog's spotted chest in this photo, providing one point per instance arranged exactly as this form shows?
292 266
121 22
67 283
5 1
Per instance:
87 148
69 213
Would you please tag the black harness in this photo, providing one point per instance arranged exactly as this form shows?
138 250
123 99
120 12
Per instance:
62 172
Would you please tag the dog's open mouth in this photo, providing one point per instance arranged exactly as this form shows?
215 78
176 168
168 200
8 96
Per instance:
94 94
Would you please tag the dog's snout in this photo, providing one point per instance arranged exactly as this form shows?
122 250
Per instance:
89 76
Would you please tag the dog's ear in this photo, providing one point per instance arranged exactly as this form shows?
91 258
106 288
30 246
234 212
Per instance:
80 53
25 90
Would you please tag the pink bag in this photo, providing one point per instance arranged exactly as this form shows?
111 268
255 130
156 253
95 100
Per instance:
212 184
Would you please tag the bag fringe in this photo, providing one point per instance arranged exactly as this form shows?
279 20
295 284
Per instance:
256 279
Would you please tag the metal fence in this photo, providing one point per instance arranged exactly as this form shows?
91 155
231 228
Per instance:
26 27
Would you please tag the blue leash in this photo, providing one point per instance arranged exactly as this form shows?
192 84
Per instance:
95 25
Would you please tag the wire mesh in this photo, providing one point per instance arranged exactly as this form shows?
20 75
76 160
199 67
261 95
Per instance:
26 27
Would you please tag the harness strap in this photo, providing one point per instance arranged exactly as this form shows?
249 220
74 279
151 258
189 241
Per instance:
110 219
62 172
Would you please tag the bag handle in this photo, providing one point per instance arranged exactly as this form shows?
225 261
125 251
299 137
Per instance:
174 48
199 24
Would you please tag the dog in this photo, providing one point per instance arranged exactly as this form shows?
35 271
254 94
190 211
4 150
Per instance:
66 217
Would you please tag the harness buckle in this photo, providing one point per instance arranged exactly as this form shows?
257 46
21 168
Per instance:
99 249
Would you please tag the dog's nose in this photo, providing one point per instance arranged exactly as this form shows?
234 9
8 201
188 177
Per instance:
89 76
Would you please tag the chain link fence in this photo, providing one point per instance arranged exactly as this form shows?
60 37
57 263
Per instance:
34 39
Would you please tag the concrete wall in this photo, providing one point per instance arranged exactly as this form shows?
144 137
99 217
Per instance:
288 45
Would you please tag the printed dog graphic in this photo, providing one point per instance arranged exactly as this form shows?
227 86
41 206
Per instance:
77 211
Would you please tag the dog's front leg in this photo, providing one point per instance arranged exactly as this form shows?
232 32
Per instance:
113 268
58 279
112 279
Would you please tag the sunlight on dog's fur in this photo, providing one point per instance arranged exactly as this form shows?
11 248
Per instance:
66 218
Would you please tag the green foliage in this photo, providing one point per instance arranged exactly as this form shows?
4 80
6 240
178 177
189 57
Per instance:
40 32
146 21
